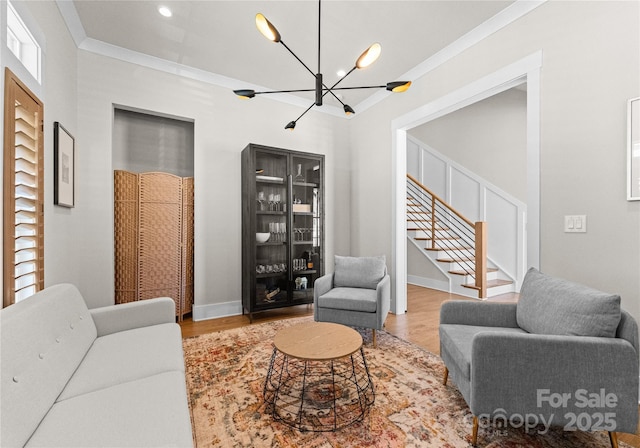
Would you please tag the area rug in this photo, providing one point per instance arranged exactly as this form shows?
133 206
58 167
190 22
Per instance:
225 378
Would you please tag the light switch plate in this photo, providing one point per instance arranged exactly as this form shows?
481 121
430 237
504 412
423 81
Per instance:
575 223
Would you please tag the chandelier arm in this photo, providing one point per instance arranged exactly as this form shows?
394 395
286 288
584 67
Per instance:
326 90
299 60
361 87
334 95
285 91
330 89
308 109
342 79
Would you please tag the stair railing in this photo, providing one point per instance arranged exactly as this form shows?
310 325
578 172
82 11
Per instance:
462 240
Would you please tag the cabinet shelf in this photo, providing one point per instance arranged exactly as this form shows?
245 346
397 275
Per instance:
270 212
303 213
305 184
302 294
270 181
296 243
271 274
272 243
305 272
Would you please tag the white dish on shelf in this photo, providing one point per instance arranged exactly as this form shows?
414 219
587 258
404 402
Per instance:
262 237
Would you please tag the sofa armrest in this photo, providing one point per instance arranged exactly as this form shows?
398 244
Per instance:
383 294
127 316
321 286
555 376
628 329
485 314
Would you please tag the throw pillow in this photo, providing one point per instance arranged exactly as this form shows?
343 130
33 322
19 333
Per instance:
549 305
358 272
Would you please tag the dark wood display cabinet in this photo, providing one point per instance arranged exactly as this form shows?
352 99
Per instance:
282 227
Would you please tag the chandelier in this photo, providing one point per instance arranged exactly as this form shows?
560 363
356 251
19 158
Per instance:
367 58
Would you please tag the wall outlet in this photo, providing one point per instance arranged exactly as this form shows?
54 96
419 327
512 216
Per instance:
575 223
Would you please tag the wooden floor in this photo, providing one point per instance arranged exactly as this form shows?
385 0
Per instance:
419 325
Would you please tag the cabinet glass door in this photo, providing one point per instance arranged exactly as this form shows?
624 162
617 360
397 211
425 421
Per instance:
306 228
272 245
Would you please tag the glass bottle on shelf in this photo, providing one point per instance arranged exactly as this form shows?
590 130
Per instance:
261 199
310 259
299 177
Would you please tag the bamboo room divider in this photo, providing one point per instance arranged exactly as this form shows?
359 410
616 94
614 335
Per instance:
153 226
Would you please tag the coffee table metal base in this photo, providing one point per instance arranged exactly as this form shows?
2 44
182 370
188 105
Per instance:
313 395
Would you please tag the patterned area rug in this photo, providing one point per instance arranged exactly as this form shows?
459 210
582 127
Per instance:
225 378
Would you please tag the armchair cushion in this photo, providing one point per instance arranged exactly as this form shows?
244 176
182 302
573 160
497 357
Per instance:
358 272
351 299
457 341
555 306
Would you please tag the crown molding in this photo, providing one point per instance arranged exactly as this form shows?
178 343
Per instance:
505 17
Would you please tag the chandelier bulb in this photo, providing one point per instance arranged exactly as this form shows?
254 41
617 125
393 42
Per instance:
245 94
267 29
369 56
398 86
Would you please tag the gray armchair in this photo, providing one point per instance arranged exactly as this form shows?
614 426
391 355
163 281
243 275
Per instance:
564 355
357 293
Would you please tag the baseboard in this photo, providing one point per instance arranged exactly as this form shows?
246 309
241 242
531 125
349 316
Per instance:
439 285
215 310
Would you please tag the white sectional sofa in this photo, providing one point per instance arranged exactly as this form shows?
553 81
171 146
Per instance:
106 377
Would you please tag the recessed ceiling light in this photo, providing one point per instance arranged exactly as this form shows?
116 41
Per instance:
166 12
341 73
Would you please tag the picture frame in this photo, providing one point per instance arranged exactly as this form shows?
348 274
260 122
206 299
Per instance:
63 166
633 149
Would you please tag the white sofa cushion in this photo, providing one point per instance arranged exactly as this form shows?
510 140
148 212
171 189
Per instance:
127 356
133 414
44 339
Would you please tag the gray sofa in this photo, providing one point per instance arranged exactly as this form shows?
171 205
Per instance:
564 353
106 377
357 293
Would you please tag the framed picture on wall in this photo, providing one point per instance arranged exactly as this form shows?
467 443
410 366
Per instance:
63 166
633 149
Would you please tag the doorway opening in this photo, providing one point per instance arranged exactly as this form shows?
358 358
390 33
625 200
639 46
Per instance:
525 71
153 208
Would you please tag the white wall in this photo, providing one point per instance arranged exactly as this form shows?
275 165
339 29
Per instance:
591 67
79 90
143 142
488 137
224 125
59 95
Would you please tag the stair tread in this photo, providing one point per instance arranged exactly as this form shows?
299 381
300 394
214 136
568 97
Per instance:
460 272
454 260
426 230
448 248
426 238
490 283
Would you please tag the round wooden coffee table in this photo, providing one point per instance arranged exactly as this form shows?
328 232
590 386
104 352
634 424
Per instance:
318 379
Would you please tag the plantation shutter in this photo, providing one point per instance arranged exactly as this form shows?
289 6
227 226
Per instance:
23 192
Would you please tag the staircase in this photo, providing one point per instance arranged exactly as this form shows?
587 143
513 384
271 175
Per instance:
454 244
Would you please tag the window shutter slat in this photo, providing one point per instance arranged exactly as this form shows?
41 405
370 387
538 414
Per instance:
23 192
